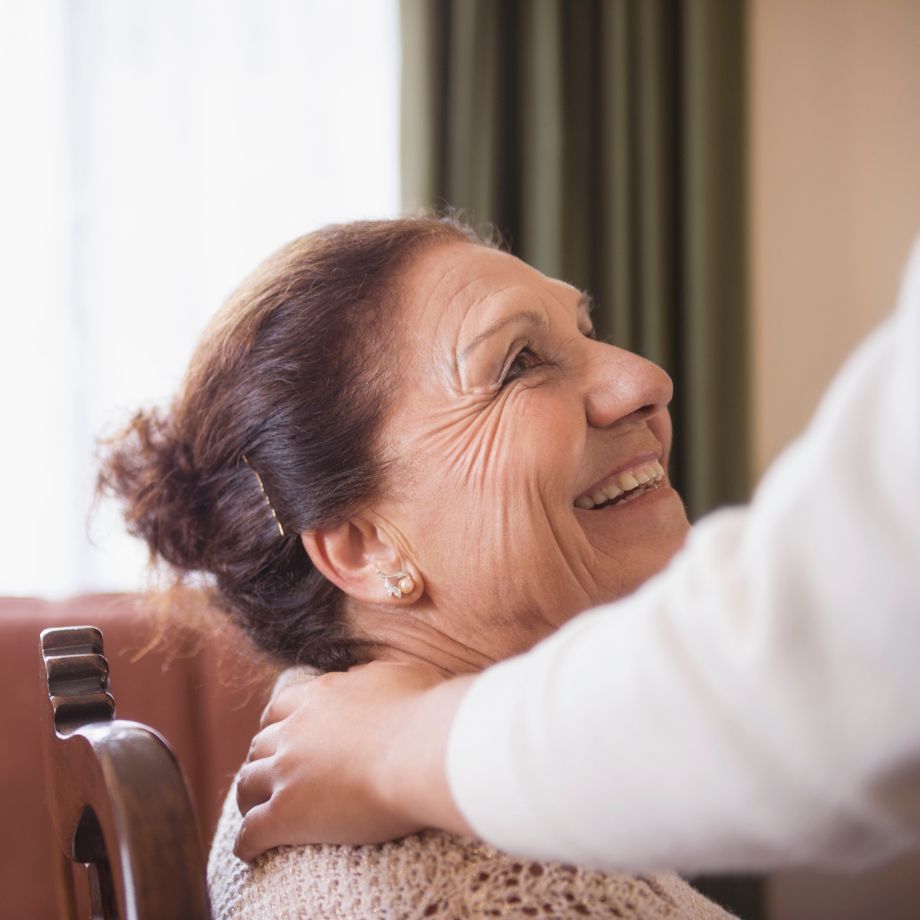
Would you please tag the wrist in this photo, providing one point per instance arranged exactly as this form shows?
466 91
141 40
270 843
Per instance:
411 779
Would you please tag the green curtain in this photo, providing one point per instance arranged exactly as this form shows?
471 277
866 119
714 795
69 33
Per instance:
605 140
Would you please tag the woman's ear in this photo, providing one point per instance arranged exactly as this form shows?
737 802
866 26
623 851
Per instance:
360 558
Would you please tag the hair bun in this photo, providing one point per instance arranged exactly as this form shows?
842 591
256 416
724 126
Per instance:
148 468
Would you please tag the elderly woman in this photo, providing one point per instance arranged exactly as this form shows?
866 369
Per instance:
397 442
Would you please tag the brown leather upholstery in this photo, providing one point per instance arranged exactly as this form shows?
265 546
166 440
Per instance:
208 723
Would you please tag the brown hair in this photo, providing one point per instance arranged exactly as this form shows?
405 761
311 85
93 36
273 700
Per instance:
291 374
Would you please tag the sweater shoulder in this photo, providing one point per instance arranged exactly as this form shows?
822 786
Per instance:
432 874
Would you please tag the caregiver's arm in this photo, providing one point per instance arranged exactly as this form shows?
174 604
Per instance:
755 705
758 703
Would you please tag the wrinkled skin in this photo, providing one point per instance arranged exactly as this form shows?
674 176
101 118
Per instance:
507 410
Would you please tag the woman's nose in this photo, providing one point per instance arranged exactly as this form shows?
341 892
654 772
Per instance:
622 384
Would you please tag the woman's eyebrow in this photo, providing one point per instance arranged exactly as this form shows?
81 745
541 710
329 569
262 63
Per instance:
530 317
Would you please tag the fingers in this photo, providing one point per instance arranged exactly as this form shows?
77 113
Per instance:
268 715
257 833
254 786
284 702
296 688
309 774
264 744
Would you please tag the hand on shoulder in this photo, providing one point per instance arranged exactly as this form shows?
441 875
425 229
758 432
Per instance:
341 757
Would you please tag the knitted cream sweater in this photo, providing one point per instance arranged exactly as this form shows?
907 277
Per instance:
432 874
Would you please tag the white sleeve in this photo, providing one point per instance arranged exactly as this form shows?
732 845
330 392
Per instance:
758 703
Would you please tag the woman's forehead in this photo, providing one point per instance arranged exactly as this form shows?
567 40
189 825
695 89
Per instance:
455 283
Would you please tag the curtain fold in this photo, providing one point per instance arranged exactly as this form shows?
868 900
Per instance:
605 140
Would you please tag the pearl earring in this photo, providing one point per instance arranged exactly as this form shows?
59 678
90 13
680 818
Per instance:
398 584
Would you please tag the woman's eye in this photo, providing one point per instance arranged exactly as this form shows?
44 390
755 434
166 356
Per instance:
525 359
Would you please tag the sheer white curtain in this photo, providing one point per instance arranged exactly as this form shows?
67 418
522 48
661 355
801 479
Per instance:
152 154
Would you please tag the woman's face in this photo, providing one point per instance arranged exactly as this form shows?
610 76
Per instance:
512 430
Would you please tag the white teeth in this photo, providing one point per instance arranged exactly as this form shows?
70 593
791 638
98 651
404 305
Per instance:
627 481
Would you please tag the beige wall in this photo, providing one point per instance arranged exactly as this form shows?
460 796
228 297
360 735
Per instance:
835 204
835 190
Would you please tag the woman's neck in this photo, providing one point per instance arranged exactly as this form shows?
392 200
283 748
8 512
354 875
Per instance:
407 634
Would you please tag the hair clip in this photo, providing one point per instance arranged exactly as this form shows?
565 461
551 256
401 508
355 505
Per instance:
268 501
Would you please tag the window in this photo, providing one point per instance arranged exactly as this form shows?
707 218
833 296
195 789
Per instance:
154 153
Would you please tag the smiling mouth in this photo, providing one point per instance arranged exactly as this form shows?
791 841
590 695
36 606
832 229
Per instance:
623 487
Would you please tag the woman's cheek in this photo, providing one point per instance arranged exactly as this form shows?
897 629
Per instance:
498 476
517 465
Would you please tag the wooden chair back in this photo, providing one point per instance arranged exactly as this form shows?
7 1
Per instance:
118 800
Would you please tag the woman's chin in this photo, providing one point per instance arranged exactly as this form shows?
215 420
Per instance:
653 524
